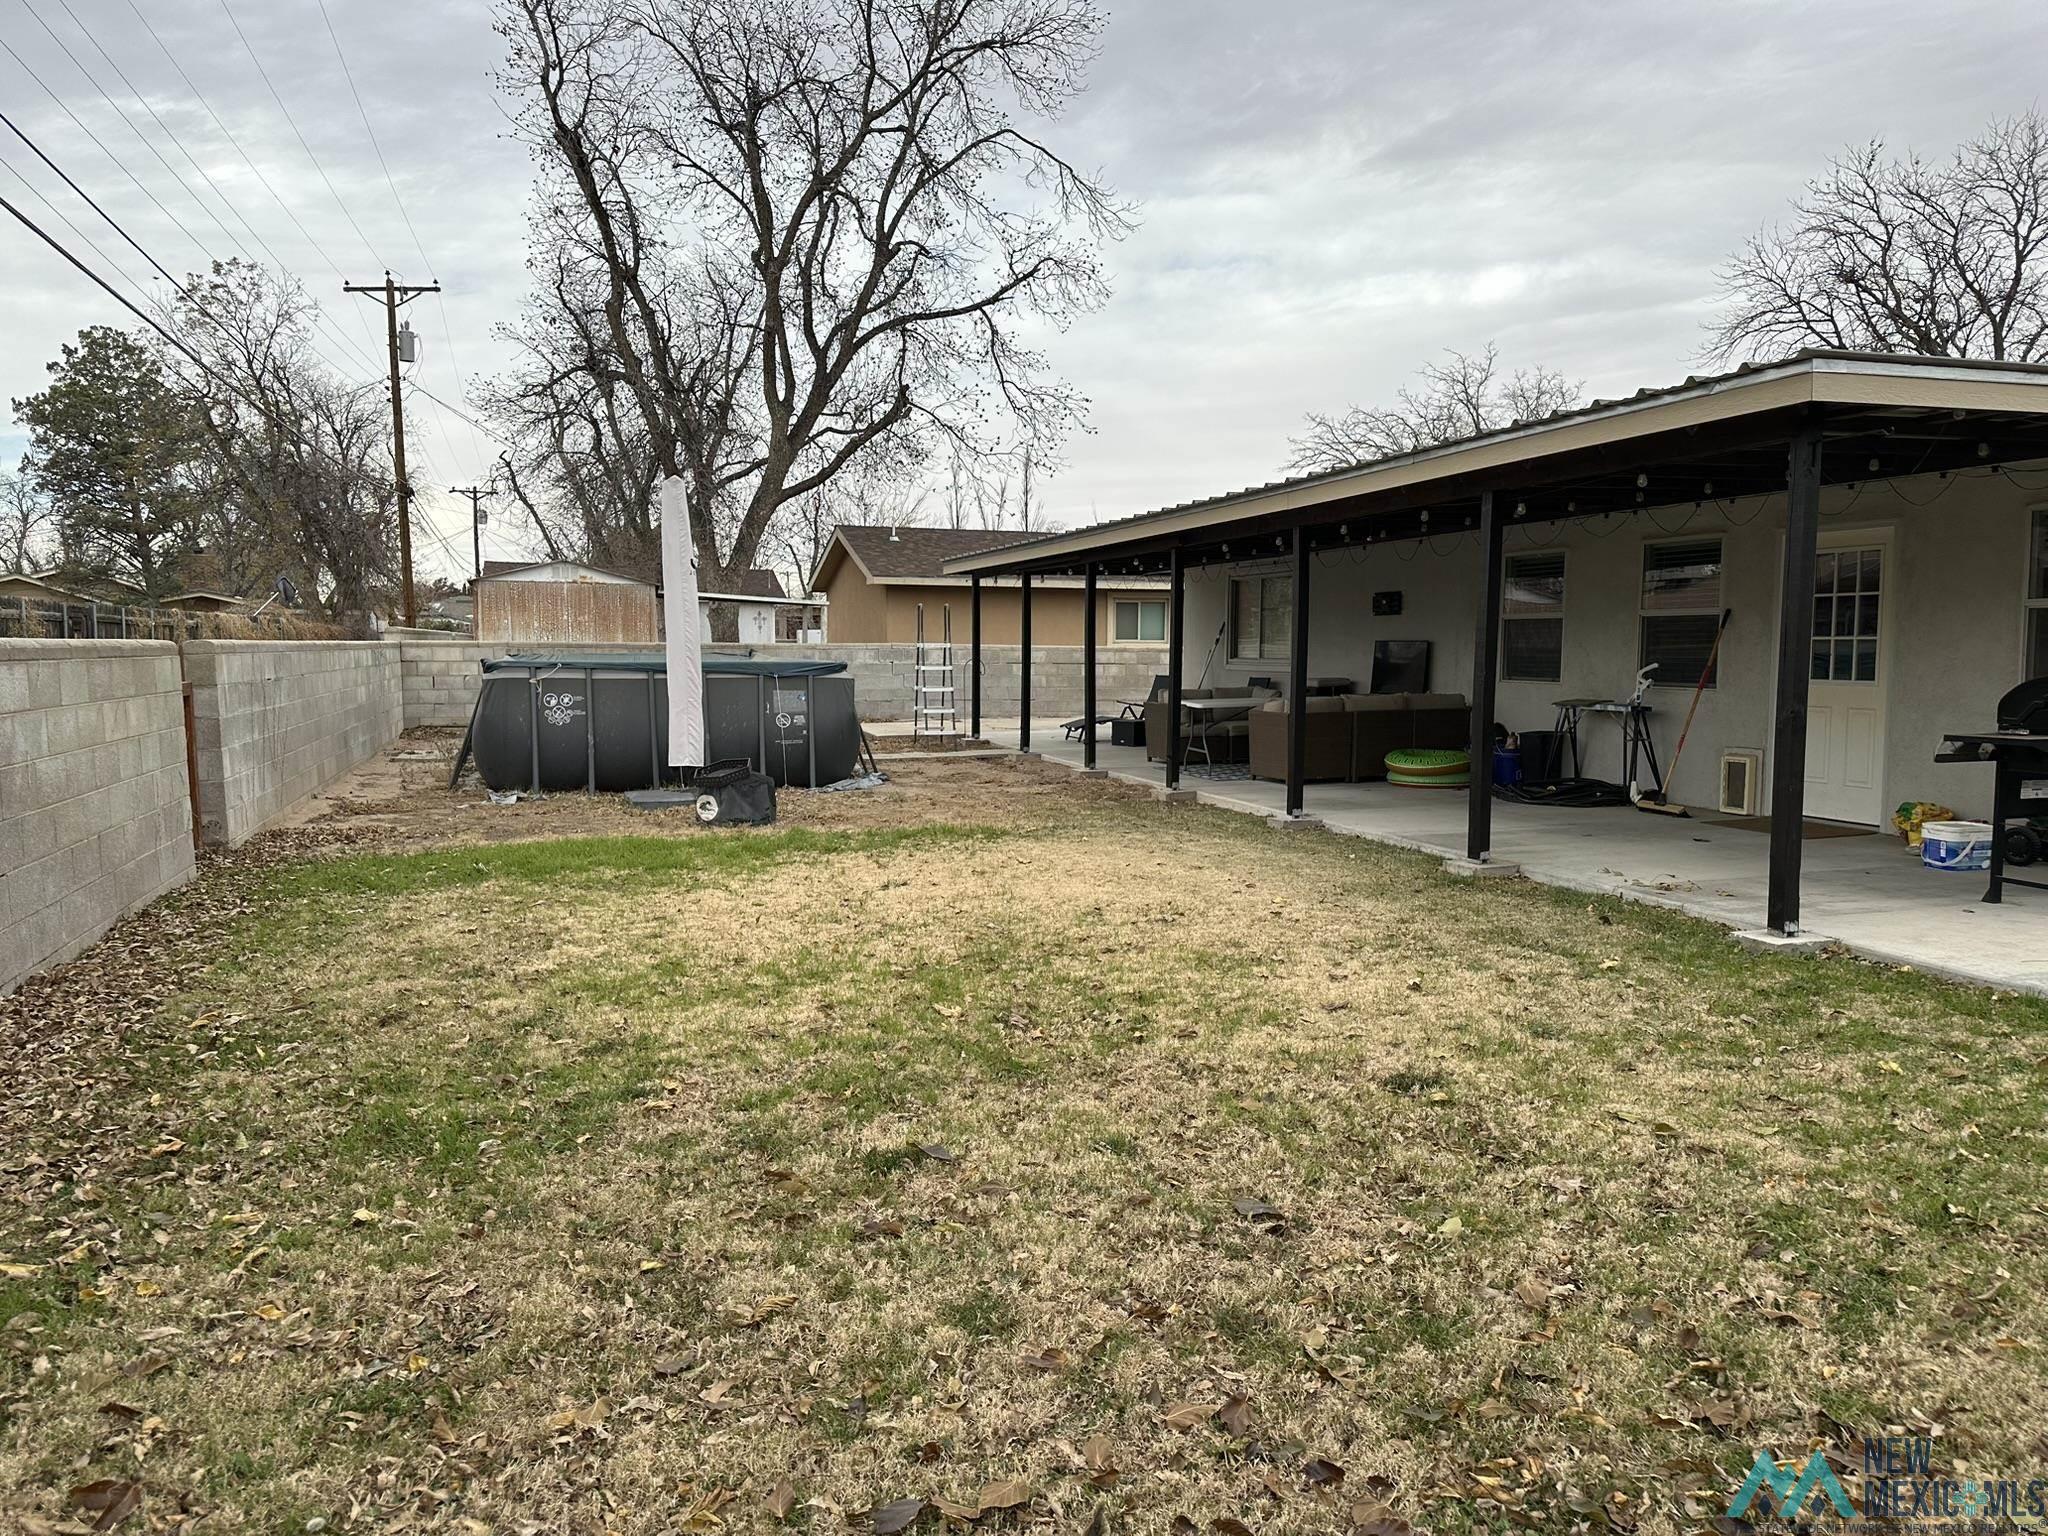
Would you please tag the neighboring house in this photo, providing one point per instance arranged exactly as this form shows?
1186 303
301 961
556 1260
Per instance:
876 578
563 602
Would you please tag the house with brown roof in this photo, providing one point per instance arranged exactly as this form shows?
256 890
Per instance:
875 579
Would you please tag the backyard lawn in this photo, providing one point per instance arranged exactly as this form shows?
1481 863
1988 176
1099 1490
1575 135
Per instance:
1036 1156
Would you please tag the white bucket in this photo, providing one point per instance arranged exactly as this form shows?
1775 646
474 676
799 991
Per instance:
1957 846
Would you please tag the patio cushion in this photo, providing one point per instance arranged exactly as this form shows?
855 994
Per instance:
1437 701
1375 703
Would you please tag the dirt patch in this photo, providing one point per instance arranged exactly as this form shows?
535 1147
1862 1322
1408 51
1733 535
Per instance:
402 798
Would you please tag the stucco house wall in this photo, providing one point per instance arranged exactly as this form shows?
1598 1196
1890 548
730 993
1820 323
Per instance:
1954 603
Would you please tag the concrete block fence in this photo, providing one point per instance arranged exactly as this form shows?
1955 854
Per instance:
277 720
441 676
96 797
95 814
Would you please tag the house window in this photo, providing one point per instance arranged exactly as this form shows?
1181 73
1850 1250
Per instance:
2037 599
1139 620
1261 617
1681 610
1847 601
1532 618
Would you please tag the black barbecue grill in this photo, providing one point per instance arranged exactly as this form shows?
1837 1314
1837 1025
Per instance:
2018 749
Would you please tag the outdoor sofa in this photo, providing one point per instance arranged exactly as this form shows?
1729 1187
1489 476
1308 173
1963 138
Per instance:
1347 736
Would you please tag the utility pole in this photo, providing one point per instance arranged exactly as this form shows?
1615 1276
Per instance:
395 296
476 495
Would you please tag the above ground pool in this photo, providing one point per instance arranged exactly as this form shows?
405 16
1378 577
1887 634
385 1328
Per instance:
601 722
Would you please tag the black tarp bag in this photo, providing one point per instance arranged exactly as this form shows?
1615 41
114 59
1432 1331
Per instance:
731 793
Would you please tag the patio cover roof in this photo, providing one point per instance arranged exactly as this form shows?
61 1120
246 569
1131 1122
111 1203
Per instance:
1709 439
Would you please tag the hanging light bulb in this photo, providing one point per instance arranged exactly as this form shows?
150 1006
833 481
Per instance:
1642 483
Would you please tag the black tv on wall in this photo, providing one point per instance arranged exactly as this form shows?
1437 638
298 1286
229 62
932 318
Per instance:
1400 666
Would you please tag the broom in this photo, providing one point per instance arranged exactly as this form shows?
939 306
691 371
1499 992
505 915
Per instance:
1656 800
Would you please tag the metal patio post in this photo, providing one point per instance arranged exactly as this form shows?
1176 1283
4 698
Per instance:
1024 664
974 656
1176 643
1088 667
1795 666
1297 676
1485 664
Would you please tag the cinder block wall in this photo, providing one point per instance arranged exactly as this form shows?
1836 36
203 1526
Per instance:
95 816
277 720
441 676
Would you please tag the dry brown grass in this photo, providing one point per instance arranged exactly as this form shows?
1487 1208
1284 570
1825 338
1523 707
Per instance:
573 1187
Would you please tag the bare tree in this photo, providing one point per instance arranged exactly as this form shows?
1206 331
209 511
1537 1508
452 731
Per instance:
1457 399
806 232
28 522
1900 255
301 481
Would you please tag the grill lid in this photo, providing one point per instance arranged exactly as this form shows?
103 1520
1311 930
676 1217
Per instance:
2025 708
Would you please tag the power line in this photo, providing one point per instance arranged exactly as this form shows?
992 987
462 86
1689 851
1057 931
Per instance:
254 169
461 415
59 213
287 111
177 143
226 133
139 184
440 305
115 225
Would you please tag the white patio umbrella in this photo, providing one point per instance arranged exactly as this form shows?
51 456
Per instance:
685 630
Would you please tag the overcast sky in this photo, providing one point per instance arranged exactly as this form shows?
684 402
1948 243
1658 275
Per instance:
1332 191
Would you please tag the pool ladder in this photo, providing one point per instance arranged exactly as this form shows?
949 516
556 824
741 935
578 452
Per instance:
934 706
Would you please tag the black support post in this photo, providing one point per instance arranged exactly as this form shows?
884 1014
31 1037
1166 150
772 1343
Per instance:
974 657
1485 664
1024 663
1795 665
1176 647
1088 668
1297 677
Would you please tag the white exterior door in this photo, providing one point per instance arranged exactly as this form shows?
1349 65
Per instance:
1848 680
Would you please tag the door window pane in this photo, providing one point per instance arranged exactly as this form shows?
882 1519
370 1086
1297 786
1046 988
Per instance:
1126 621
2037 649
1151 621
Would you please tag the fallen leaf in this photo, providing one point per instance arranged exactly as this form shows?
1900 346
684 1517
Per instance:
953 1510
1236 1414
145 1366
1378 1520
1259 1213
1321 1472
1230 1525
1532 1293
764 1309
781 1500
110 1499
1048 1359
1451 1227
1097 1455
937 1152
1004 1495
1188 1415
898 1516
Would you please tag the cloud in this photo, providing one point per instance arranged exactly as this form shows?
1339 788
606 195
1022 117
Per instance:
1333 191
